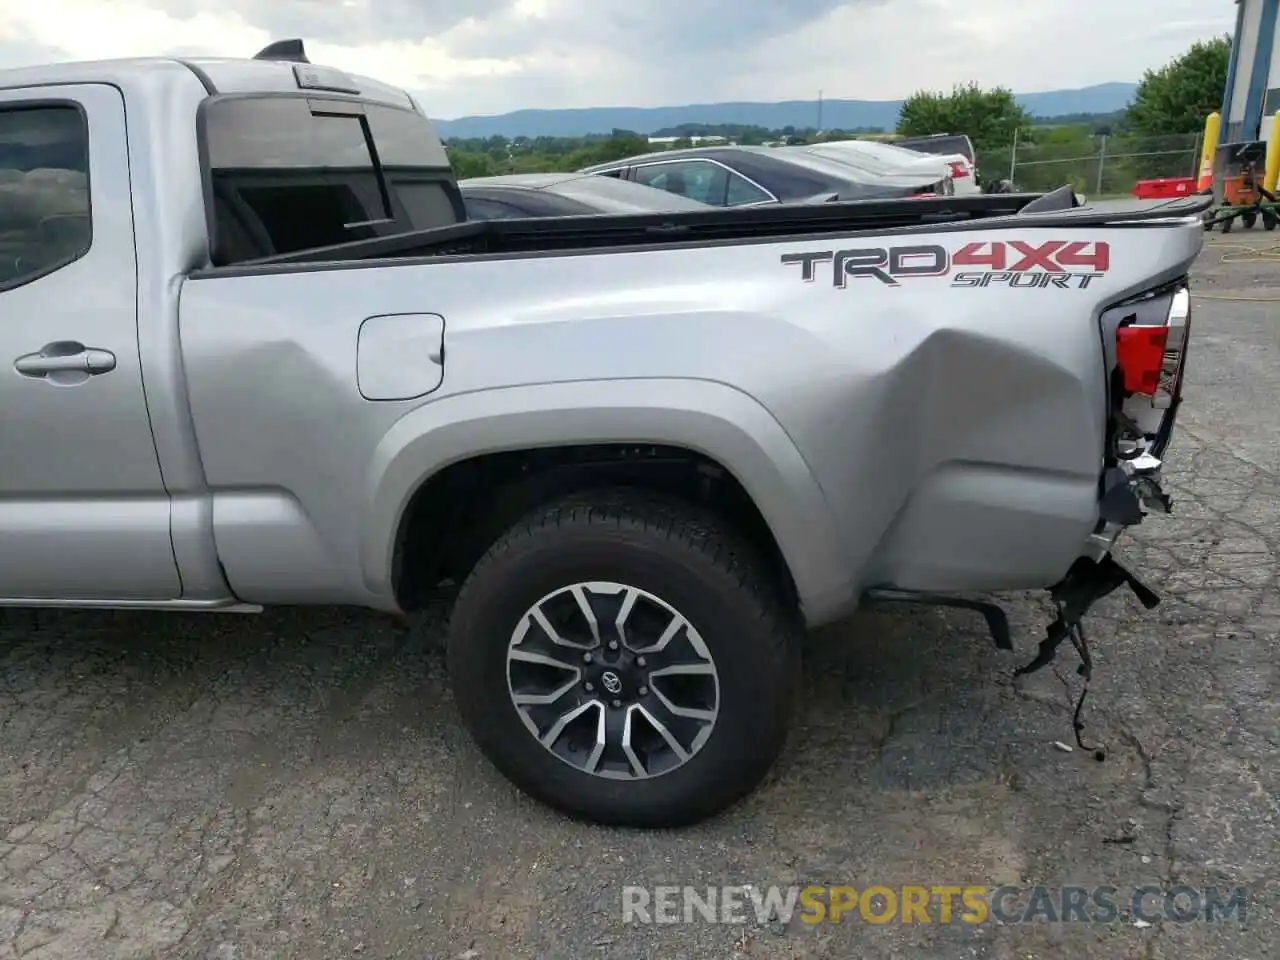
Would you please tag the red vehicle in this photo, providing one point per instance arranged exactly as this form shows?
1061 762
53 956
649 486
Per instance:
1162 188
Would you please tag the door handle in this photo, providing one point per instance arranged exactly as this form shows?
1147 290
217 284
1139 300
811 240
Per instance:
65 362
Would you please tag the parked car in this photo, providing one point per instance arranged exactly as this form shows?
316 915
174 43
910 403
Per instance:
564 195
875 158
646 451
747 176
955 143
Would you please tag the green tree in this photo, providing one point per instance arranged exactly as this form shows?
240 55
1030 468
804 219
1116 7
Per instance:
1177 97
988 117
622 143
471 164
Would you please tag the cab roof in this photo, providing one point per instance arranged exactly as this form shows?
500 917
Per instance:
277 68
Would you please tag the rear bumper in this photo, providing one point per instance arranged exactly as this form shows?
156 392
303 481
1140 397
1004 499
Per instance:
1132 490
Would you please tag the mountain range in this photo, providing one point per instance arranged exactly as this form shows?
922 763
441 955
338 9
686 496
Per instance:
836 114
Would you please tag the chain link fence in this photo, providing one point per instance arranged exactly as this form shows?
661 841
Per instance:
1099 166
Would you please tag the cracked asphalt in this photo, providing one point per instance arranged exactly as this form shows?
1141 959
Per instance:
297 784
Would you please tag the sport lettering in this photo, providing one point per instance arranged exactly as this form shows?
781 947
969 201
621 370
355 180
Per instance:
982 264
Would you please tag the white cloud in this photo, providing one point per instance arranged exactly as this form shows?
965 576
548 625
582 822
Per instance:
491 56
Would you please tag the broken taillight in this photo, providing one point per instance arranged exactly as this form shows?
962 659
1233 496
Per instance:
959 170
1150 356
1140 355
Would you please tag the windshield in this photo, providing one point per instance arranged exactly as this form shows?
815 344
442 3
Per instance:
290 173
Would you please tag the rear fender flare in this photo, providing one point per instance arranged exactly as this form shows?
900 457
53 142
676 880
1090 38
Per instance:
703 416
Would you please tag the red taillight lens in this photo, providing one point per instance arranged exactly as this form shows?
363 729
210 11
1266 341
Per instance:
1140 354
959 170
1151 362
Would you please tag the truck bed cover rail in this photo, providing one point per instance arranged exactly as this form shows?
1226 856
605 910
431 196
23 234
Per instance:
737 226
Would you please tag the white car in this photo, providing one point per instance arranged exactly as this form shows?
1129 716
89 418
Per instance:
948 145
874 158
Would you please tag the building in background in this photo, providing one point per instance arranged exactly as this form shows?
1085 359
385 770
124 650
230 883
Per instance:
1252 97
697 141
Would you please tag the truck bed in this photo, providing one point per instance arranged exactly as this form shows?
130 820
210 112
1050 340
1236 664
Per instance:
738 226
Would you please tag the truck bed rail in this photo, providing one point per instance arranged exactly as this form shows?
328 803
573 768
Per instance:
740 226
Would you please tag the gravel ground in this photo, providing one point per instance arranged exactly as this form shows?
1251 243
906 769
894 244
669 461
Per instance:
297 784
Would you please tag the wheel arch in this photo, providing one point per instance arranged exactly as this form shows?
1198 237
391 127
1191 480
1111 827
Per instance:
716 424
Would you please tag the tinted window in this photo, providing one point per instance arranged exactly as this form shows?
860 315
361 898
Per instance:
786 180
487 209
44 191
423 203
743 191
292 173
696 179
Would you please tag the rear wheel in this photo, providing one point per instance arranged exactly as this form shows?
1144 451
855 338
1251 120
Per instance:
624 660
1249 219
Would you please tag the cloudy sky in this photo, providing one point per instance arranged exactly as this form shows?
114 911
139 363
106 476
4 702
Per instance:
491 56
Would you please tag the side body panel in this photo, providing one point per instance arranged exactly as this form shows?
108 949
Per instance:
940 431
169 240
172 240
84 514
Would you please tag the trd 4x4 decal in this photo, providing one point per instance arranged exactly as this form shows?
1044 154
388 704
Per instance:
1061 264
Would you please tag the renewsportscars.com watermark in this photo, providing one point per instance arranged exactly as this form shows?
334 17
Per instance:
932 904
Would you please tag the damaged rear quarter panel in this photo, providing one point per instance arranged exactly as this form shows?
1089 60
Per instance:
952 437
969 370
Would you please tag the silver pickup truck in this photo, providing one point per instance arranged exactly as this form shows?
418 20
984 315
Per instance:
257 356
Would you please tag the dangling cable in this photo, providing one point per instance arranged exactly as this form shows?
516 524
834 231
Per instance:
1085 670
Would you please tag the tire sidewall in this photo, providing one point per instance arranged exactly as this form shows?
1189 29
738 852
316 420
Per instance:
751 662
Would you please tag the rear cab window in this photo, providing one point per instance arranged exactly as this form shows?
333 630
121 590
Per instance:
289 172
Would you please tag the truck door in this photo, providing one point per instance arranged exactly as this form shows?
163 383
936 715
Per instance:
83 510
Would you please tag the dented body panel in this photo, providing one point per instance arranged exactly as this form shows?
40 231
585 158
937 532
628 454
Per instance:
922 407
895 428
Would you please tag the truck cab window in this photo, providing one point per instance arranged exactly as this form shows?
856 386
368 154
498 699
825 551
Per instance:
44 191
292 173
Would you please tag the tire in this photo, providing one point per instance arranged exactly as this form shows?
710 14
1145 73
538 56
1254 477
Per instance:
1249 219
674 554
1268 221
1226 225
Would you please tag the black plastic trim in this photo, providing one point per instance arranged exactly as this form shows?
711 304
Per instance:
743 226
289 51
206 81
